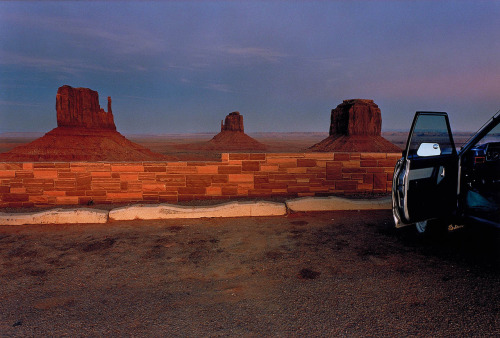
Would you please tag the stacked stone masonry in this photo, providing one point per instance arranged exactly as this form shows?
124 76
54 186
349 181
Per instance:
236 175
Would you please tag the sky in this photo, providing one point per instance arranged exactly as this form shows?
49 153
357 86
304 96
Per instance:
182 66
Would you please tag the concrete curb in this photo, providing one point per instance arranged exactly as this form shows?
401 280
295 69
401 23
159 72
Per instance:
333 203
55 216
166 211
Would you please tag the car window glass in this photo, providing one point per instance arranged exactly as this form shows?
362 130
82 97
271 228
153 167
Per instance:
431 130
492 136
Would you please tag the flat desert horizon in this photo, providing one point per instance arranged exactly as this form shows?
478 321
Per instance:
188 146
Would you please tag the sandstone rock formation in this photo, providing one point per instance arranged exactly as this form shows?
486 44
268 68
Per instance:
356 126
79 107
356 117
85 132
233 122
232 136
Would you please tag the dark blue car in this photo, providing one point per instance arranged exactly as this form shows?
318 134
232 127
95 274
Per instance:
434 183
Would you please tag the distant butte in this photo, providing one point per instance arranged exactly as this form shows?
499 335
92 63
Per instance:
85 132
356 126
79 107
233 122
232 136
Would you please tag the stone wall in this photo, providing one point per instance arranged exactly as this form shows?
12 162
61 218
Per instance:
235 176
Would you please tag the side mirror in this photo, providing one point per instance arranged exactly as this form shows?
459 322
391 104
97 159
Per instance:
428 149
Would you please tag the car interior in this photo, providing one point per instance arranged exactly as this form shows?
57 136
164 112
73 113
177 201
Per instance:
481 178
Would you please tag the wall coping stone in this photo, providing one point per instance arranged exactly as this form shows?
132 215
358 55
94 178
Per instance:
168 211
56 216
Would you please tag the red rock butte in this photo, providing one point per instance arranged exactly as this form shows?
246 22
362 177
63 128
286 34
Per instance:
232 136
85 132
233 122
356 126
79 107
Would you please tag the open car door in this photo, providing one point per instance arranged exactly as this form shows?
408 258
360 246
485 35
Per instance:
425 179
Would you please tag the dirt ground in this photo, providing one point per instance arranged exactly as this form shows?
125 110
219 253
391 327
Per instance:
315 274
190 147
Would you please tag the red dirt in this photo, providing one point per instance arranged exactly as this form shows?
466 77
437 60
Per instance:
355 143
229 141
82 144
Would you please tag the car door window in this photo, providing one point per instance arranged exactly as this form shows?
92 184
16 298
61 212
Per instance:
430 137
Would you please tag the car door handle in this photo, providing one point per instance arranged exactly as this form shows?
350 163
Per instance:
442 173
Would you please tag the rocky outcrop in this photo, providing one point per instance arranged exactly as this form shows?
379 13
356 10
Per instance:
356 126
79 107
356 117
231 138
233 122
85 132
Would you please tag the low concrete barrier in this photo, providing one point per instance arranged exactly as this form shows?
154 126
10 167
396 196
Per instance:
55 216
167 211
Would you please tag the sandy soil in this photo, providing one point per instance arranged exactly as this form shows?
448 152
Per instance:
190 147
317 274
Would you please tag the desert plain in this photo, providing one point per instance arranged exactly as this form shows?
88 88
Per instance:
189 146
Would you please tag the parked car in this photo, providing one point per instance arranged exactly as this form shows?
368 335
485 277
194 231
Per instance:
434 183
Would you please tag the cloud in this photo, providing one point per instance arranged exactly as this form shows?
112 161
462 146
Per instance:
78 32
258 53
70 66
205 57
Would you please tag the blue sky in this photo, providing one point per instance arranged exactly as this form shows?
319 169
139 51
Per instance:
182 66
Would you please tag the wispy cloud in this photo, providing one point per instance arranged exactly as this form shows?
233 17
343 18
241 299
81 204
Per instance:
118 39
206 57
52 64
266 54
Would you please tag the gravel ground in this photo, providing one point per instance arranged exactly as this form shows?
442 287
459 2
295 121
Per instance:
319 274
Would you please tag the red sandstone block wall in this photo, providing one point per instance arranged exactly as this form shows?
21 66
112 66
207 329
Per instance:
236 175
